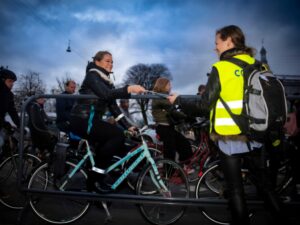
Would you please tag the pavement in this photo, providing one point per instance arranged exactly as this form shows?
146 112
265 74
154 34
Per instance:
124 212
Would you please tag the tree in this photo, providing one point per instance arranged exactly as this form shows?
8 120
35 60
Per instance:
145 75
28 85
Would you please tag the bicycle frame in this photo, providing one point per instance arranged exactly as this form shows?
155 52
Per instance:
143 152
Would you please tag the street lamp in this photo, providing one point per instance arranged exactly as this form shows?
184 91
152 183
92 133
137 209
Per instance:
69 47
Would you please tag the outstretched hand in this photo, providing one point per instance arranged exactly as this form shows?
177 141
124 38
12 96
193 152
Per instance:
172 98
137 89
132 130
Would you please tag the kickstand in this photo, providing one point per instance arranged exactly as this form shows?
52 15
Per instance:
108 215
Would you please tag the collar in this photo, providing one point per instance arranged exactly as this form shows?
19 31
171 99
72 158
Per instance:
102 75
231 52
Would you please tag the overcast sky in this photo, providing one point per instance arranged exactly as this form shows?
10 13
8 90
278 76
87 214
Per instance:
178 33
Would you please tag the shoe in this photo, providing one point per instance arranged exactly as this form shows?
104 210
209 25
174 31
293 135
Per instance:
188 170
96 182
102 188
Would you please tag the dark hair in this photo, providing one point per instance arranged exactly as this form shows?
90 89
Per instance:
122 101
99 55
160 85
7 74
237 36
69 81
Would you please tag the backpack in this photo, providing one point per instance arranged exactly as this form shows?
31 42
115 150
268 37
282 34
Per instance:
264 102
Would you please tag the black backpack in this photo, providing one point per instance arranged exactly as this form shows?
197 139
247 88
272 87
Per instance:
264 103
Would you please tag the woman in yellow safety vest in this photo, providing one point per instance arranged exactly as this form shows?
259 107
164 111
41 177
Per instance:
226 81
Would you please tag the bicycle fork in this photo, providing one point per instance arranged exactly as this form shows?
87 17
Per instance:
157 180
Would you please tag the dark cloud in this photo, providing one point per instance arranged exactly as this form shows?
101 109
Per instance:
179 34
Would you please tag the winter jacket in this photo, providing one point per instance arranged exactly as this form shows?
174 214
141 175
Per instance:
38 123
164 112
97 82
209 99
63 109
7 105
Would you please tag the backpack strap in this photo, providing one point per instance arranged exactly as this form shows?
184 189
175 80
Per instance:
238 62
242 63
238 119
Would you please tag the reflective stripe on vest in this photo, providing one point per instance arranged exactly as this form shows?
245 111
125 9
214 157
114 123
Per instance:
232 92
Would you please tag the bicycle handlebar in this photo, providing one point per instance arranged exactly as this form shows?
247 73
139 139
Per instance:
158 94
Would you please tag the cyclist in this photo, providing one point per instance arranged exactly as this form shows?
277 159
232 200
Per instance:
165 115
7 80
42 136
86 116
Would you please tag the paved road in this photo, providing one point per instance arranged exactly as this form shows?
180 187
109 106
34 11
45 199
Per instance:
127 213
122 213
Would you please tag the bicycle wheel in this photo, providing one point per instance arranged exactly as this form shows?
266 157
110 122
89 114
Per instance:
132 178
11 196
58 209
211 185
175 180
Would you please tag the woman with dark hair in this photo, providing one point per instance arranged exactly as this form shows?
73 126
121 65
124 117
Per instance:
164 115
86 116
225 81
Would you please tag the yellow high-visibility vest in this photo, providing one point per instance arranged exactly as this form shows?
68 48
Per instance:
232 92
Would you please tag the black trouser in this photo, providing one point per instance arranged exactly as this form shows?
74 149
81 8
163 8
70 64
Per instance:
107 138
173 142
294 154
255 162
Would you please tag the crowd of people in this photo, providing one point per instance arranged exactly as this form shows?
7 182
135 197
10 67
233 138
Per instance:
85 118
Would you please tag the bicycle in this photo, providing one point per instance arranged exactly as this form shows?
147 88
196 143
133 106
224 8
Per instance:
202 152
10 195
162 178
212 185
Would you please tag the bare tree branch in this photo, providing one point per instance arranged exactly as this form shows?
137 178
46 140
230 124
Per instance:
146 75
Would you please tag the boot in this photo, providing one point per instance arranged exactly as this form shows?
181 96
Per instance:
96 182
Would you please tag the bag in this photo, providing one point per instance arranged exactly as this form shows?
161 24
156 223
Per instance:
264 103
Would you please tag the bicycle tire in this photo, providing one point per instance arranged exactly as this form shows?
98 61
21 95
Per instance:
11 196
54 209
211 185
175 179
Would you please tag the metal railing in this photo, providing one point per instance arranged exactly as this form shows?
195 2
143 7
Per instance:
116 197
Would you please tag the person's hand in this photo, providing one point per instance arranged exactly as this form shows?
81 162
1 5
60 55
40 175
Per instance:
172 98
137 89
111 120
132 130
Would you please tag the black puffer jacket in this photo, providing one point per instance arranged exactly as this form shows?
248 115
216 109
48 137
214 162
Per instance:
38 123
97 82
7 105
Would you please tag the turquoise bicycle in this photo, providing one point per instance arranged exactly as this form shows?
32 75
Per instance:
163 178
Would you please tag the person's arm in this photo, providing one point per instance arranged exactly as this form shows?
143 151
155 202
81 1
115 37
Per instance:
200 107
12 112
100 89
110 95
